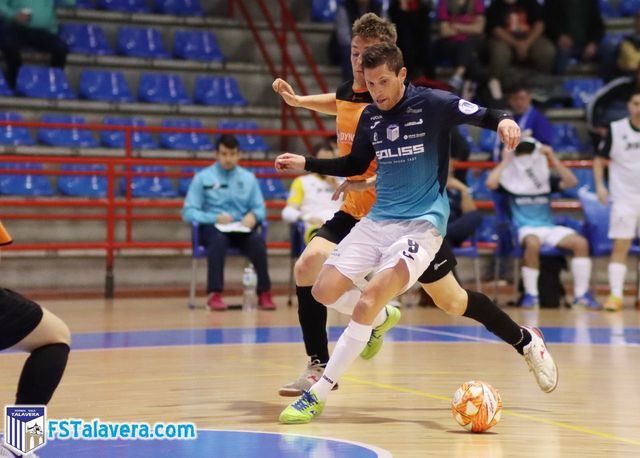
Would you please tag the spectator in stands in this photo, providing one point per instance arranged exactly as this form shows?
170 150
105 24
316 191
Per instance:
348 11
462 24
225 199
516 29
532 122
621 148
464 218
30 24
413 25
576 27
525 177
310 198
629 52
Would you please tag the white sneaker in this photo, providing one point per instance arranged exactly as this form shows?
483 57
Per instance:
540 361
307 379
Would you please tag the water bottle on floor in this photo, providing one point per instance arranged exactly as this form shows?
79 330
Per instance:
249 282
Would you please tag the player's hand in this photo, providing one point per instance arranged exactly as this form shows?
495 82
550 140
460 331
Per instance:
249 220
603 194
509 133
351 186
224 218
288 162
285 91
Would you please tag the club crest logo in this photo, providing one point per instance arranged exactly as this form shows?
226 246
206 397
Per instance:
25 428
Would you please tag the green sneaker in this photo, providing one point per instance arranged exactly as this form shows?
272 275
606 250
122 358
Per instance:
305 409
377 335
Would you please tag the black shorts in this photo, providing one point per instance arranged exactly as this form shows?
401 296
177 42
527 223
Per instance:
442 264
338 227
18 317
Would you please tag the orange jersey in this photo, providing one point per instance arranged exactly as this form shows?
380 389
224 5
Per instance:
350 105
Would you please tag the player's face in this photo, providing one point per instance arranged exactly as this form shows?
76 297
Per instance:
358 45
386 88
634 107
519 102
228 157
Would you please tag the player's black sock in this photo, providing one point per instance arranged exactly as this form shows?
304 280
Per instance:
313 321
41 374
485 311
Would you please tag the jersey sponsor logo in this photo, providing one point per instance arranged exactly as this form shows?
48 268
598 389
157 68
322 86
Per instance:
632 145
375 136
438 265
414 123
412 110
393 132
375 118
467 107
418 135
345 137
400 151
531 200
373 126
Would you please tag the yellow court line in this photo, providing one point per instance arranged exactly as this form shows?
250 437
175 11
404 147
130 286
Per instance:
559 424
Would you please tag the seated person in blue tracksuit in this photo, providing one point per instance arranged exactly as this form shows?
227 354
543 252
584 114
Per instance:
219 196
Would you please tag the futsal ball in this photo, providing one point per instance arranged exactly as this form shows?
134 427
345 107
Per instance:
476 406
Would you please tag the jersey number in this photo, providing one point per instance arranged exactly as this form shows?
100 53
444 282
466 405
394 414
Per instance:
413 248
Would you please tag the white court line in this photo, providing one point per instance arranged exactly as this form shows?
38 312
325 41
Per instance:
446 333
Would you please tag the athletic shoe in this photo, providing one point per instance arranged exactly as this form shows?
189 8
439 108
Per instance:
540 361
613 304
265 302
529 301
377 334
216 303
305 409
588 301
311 375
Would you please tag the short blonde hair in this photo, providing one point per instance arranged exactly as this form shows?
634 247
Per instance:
373 27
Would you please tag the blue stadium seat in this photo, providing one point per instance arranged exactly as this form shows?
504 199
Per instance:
566 139
608 9
190 141
476 182
201 45
150 186
247 142
85 4
323 10
141 42
183 184
179 7
69 138
105 86
218 90
11 135
162 88
116 138
585 181
487 140
273 189
43 83
629 7
83 185
24 184
5 91
85 38
487 230
124 6
582 89
464 131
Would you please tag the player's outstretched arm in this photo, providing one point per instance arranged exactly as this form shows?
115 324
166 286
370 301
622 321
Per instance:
322 103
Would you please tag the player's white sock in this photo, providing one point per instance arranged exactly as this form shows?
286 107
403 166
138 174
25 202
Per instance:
617 272
530 280
347 349
347 302
581 270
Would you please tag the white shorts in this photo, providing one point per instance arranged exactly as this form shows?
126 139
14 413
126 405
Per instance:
373 246
624 220
548 235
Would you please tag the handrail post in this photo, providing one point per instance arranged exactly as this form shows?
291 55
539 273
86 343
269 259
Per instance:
128 145
110 239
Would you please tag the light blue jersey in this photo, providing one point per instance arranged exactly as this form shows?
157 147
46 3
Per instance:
532 210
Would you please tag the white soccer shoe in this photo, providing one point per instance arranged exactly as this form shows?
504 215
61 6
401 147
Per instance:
540 361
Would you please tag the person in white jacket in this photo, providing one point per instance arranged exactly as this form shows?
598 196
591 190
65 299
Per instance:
311 196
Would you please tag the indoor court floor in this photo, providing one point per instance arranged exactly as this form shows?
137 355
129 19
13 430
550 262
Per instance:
154 360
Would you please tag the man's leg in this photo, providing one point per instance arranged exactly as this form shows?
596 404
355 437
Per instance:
11 39
580 265
216 243
462 228
617 272
531 270
253 247
45 41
